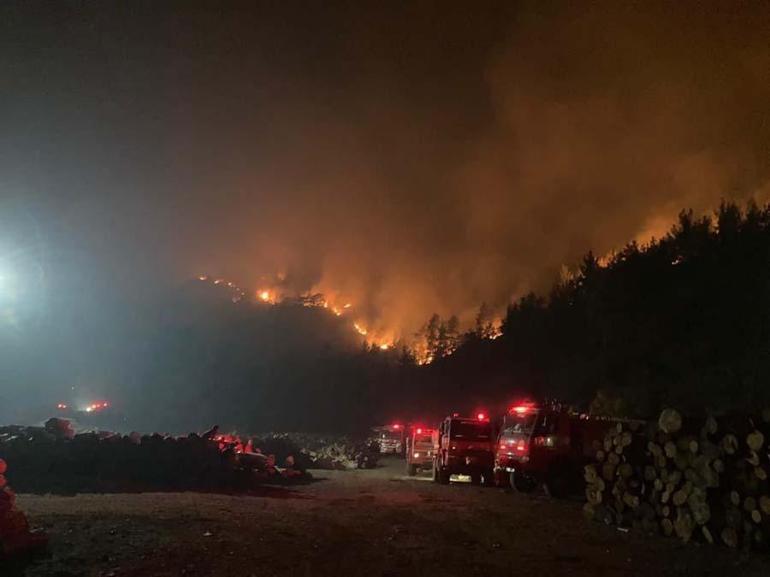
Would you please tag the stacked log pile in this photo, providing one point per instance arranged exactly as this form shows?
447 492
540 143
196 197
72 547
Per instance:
51 460
704 480
15 534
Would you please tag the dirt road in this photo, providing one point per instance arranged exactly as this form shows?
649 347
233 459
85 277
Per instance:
372 523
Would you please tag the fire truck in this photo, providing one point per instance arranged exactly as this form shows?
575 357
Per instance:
464 446
545 445
419 450
390 438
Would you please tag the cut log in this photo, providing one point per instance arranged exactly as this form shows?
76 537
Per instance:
701 512
755 440
589 474
670 449
625 470
764 504
593 495
631 501
707 535
683 525
670 421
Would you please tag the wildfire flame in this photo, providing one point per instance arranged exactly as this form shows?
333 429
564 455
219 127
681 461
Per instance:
265 296
360 330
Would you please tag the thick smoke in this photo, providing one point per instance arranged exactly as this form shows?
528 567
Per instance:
410 160
570 129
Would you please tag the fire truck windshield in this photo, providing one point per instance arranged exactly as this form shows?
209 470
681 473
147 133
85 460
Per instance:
471 430
518 424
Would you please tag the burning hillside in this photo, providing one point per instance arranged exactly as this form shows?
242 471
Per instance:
435 339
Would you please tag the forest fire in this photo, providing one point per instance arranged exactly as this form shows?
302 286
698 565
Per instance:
420 349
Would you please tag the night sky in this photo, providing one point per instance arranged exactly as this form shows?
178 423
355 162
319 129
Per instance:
412 157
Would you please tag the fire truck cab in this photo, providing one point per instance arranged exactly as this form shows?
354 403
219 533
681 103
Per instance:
544 445
464 446
419 450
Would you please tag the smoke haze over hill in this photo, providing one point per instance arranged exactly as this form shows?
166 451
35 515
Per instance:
408 158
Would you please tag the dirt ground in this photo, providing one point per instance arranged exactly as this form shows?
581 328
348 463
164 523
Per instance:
372 523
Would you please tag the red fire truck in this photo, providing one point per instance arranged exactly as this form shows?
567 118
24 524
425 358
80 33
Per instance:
464 446
545 445
419 450
390 438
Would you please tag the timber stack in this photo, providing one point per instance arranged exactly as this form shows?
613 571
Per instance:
704 480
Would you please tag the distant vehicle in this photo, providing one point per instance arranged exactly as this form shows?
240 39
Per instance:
390 438
419 450
464 446
545 445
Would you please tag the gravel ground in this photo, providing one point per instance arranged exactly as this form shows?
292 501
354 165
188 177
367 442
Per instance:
372 523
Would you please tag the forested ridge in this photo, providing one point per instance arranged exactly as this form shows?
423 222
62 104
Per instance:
682 320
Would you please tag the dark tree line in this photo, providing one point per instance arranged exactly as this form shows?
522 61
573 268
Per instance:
683 320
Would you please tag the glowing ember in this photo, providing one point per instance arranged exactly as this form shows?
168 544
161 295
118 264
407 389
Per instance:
203 277
384 346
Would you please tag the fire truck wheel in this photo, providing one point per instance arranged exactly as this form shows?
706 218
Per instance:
489 478
443 476
411 470
475 478
522 483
